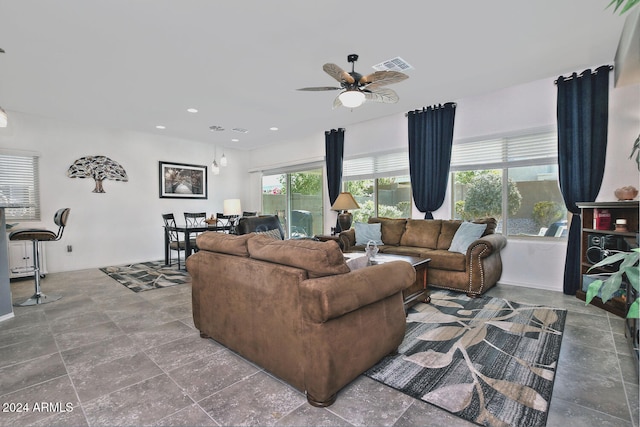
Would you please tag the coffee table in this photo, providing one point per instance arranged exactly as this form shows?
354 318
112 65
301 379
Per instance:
418 291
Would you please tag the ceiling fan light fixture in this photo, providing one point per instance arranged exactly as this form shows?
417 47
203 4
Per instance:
351 98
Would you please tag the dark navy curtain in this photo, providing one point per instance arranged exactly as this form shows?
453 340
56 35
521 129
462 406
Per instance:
430 140
334 151
583 116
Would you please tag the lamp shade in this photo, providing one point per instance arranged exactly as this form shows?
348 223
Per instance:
232 207
351 98
345 201
3 118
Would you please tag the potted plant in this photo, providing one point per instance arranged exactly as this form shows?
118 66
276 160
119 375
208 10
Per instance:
627 268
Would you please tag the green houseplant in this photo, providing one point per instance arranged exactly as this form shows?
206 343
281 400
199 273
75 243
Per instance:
628 269
628 4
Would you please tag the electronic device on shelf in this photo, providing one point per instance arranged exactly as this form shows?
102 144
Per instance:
601 246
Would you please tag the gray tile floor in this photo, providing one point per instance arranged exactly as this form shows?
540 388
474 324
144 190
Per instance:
105 356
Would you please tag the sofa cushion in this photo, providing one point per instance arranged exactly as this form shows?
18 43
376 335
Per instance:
223 243
391 228
467 233
446 260
422 233
317 258
448 230
366 232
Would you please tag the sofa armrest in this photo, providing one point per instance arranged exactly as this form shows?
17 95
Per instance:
330 297
347 239
486 245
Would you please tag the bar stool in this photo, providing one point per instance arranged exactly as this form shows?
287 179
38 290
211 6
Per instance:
41 235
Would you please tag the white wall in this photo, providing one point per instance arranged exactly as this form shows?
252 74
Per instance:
124 224
528 106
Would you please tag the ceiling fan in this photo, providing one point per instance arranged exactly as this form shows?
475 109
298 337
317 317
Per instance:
357 88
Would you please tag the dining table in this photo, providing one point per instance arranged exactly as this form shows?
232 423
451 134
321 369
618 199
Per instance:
187 230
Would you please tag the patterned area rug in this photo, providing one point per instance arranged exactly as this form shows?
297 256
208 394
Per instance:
487 360
145 276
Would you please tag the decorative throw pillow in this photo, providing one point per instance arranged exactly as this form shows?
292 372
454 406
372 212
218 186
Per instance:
467 234
392 229
274 234
366 232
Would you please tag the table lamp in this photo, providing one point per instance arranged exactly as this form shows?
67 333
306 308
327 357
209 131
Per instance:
232 207
343 203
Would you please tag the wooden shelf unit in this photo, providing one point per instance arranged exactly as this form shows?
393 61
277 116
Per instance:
619 210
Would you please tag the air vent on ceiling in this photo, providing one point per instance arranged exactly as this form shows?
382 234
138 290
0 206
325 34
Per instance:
240 130
395 64
215 128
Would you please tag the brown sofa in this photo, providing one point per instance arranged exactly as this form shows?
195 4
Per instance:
473 272
294 308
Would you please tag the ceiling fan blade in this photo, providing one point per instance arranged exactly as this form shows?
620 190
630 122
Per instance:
337 103
338 73
319 88
382 78
385 95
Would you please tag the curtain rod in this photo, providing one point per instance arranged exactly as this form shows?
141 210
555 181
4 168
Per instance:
555 82
452 104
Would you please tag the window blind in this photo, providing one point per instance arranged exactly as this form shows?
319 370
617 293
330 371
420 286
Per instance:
19 184
524 150
376 166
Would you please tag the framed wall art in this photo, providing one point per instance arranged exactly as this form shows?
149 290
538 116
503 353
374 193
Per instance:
183 181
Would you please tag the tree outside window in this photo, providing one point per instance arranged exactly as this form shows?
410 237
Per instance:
388 197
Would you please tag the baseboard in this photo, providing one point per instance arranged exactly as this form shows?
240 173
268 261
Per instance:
531 285
7 316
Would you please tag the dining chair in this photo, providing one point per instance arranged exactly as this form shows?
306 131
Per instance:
173 237
195 219
227 222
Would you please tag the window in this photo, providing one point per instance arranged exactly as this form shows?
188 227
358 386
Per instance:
296 197
19 184
514 179
380 184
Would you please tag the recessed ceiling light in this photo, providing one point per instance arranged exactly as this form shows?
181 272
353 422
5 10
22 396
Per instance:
273 128
192 110
235 140
160 127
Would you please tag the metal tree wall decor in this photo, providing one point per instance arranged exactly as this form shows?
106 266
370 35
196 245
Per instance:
99 168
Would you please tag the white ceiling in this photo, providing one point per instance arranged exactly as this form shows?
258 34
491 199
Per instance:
135 64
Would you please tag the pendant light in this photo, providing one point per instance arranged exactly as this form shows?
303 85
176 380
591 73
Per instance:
215 169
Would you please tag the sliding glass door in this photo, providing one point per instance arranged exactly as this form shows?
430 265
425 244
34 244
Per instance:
296 197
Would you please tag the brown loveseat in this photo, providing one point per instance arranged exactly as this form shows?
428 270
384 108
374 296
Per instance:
294 308
473 272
